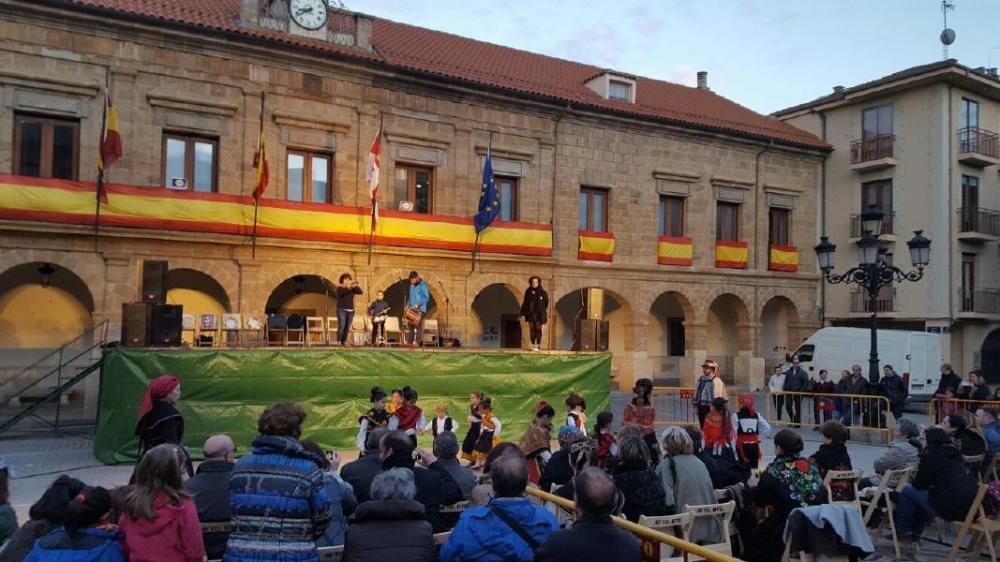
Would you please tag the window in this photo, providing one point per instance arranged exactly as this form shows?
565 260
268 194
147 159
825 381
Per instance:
190 162
45 147
878 193
970 203
618 90
968 282
727 221
508 198
309 176
413 183
778 227
876 121
805 353
593 209
671 221
968 113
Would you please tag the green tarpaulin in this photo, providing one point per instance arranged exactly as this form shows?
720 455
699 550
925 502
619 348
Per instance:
225 391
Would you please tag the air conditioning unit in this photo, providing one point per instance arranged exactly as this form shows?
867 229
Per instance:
406 206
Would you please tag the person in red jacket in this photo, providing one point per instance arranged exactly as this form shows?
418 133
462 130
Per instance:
160 520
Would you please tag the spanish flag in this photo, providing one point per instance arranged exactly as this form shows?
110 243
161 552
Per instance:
111 143
260 158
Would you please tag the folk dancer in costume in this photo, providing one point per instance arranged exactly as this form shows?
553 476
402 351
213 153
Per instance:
159 421
534 309
378 310
607 445
396 401
489 433
641 413
576 415
417 299
536 443
718 434
441 423
710 386
749 425
345 306
475 424
376 417
410 418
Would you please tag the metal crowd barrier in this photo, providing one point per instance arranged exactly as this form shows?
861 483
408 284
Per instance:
858 412
673 405
651 541
941 407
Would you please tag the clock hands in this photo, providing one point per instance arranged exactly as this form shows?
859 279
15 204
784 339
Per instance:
306 10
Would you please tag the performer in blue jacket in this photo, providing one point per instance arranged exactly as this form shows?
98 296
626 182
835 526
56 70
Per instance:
416 307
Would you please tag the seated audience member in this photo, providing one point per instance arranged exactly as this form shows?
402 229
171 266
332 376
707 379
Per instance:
969 443
483 492
686 482
8 518
557 471
210 488
510 528
445 462
44 515
833 455
942 487
638 484
341 496
987 420
593 537
392 525
360 473
85 535
396 451
582 454
900 454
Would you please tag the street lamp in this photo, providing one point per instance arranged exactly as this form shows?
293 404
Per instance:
873 271
45 272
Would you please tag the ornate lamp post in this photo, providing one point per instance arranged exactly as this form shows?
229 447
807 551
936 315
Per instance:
873 271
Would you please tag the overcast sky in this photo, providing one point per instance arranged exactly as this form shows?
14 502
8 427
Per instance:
766 55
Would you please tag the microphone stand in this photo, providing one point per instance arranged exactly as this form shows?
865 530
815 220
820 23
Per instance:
447 308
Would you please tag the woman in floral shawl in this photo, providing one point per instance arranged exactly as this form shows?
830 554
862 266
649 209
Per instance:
536 443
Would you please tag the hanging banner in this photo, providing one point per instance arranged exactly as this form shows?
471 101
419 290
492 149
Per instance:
731 255
783 258
596 246
675 250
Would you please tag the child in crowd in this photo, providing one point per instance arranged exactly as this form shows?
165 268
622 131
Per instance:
640 413
489 433
85 534
397 401
441 423
717 434
8 519
376 417
536 443
475 424
749 425
378 310
576 415
607 445
409 416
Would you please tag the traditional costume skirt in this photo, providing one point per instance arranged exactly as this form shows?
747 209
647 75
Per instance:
484 445
469 443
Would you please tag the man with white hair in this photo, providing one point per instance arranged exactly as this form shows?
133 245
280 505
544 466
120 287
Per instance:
392 525
210 488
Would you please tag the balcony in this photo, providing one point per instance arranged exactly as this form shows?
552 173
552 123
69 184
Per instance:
872 153
978 147
979 301
887 232
978 225
884 303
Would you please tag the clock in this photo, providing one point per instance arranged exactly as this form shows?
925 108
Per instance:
308 14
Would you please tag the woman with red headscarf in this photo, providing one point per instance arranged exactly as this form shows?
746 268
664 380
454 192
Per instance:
749 426
159 421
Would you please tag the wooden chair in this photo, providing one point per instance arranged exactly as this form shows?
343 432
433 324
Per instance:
989 472
976 521
852 477
232 325
296 330
315 330
441 538
901 476
254 330
789 555
975 461
277 329
677 525
392 327
330 553
431 335
723 511
457 507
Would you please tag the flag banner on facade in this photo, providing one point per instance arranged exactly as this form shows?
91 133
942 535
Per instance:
110 147
489 199
374 170
260 163
674 250
731 255
783 258
72 202
596 246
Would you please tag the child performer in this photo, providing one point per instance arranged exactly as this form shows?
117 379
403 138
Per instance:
639 412
718 434
607 445
397 401
576 415
489 434
379 312
441 423
475 423
749 425
536 443
376 416
409 415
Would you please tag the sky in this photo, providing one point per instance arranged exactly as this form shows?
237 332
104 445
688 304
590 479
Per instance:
765 55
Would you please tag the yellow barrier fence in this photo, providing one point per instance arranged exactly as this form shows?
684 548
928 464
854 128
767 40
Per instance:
858 412
651 541
674 405
941 407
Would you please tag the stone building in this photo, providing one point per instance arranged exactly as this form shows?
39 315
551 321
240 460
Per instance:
692 206
920 144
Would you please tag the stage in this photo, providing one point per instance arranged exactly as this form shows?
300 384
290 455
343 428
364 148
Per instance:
224 390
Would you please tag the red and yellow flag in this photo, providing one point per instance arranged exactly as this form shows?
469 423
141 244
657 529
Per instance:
111 143
731 254
260 158
783 258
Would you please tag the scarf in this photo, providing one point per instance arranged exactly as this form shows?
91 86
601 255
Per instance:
408 416
157 389
800 477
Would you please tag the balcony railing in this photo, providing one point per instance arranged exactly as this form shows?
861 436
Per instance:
977 219
884 303
886 224
980 301
872 148
980 141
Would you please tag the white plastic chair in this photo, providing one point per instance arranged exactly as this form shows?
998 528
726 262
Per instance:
431 335
315 330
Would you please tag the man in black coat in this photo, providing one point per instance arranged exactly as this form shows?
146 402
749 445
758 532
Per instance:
593 536
796 380
894 389
360 473
396 451
210 488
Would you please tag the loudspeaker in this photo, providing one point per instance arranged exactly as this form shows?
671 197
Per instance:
591 335
135 324
165 326
154 281
594 304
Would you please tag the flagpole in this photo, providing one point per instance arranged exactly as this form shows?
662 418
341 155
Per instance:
253 243
475 245
371 234
97 211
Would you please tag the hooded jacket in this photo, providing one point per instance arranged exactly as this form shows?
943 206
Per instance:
951 489
86 545
210 488
390 530
535 306
481 536
175 534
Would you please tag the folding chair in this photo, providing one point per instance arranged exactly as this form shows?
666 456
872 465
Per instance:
441 538
901 476
231 324
801 513
457 507
331 329
254 330
431 335
208 333
723 511
189 327
330 553
359 331
296 332
851 477
676 525
989 472
277 329
975 461
315 330
392 327
976 521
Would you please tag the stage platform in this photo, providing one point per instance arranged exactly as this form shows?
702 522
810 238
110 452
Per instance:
224 390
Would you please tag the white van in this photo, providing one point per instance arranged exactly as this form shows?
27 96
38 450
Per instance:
916 356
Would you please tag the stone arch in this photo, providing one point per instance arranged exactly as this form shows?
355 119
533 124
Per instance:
779 319
617 311
989 357
39 311
729 333
494 317
394 283
307 294
666 344
197 291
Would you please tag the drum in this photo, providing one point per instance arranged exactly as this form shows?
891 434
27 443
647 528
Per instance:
412 316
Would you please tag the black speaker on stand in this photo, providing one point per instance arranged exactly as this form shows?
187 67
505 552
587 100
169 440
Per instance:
165 326
135 324
591 335
154 281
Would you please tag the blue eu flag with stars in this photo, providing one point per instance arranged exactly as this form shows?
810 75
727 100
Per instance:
489 198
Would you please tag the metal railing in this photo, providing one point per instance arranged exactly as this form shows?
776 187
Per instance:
872 148
980 141
978 219
884 303
650 540
939 408
887 220
856 411
980 301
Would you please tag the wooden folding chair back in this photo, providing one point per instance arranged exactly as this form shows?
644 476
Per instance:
851 478
989 472
676 525
976 521
975 461
315 330
722 512
901 476
330 553
457 507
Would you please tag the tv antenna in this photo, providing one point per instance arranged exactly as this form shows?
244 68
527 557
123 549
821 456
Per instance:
947 34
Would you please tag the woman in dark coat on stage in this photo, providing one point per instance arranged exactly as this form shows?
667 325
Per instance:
159 421
535 308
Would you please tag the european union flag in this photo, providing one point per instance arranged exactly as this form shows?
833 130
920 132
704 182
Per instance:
489 199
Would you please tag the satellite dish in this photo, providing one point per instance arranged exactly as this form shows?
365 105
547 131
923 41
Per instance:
947 36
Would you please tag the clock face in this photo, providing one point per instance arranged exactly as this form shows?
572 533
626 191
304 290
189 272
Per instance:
309 14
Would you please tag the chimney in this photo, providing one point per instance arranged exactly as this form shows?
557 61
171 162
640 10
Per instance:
363 31
249 12
703 80
838 89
